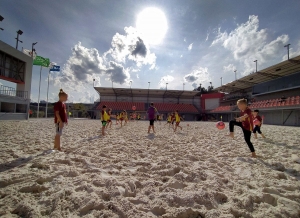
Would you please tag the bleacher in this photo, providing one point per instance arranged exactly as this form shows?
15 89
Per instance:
270 103
167 107
119 106
140 106
278 102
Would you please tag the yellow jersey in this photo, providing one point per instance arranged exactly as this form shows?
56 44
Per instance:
177 118
104 116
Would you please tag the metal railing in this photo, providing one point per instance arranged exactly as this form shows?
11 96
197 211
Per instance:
9 91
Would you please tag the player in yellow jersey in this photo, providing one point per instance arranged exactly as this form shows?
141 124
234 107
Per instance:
109 114
138 116
117 118
104 118
169 119
177 120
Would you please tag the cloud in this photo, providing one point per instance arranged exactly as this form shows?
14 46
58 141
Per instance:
137 76
190 47
248 43
198 76
130 46
117 73
229 68
82 67
164 80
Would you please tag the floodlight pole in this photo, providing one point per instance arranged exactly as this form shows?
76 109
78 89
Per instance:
93 82
38 109
183 86
288 50
221 81
32 49
130 84
48 94
19 32
255 64
166 86
148 94
235 74
1 18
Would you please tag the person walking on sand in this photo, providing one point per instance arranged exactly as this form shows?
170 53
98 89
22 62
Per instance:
151 116
245 121
60 118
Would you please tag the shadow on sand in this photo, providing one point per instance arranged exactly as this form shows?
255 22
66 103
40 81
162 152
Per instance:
21 161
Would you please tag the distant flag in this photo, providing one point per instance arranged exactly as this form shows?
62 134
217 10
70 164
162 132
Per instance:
29 53
55 68
40 61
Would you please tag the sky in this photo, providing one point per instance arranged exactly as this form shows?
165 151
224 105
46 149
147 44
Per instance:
182 43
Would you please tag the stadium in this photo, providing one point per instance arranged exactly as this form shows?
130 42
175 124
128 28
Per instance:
275 91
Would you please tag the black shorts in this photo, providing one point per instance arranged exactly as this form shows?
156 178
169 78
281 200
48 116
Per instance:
151 122
257 129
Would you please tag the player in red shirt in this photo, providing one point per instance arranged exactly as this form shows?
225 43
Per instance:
257 127
245 122
60 118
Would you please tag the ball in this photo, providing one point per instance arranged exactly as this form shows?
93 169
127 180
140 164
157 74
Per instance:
220 125
256 122
133 108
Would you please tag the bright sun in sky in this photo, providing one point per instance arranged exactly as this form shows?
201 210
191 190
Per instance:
152 23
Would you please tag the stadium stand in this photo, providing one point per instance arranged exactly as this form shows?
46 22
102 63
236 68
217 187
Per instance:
119 106
274 91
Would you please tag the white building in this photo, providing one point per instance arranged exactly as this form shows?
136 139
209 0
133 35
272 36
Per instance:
15 67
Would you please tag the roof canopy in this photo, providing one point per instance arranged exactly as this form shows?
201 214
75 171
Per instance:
282 69
105 91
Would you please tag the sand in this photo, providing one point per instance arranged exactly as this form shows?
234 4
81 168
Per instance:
198 172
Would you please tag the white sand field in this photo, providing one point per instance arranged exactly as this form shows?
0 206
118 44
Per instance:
198 172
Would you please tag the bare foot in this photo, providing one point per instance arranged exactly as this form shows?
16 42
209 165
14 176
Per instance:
231 135
254 155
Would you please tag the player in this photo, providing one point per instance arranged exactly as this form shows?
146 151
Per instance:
60 118
245 121
177 120
151 116
257 127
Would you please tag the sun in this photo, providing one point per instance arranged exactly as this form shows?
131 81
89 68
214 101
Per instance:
152 23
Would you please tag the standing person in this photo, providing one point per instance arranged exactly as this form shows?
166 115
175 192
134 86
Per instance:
122 117
257 127
109 114
60 118
138 116
104 118
245 122
125 117
117 118
177 120
151 116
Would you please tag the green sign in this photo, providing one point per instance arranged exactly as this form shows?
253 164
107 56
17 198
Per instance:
40 61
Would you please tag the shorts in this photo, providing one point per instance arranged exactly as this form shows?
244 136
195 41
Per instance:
104 123
257 129
121 119
177 123
151 122
109 121
58 129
